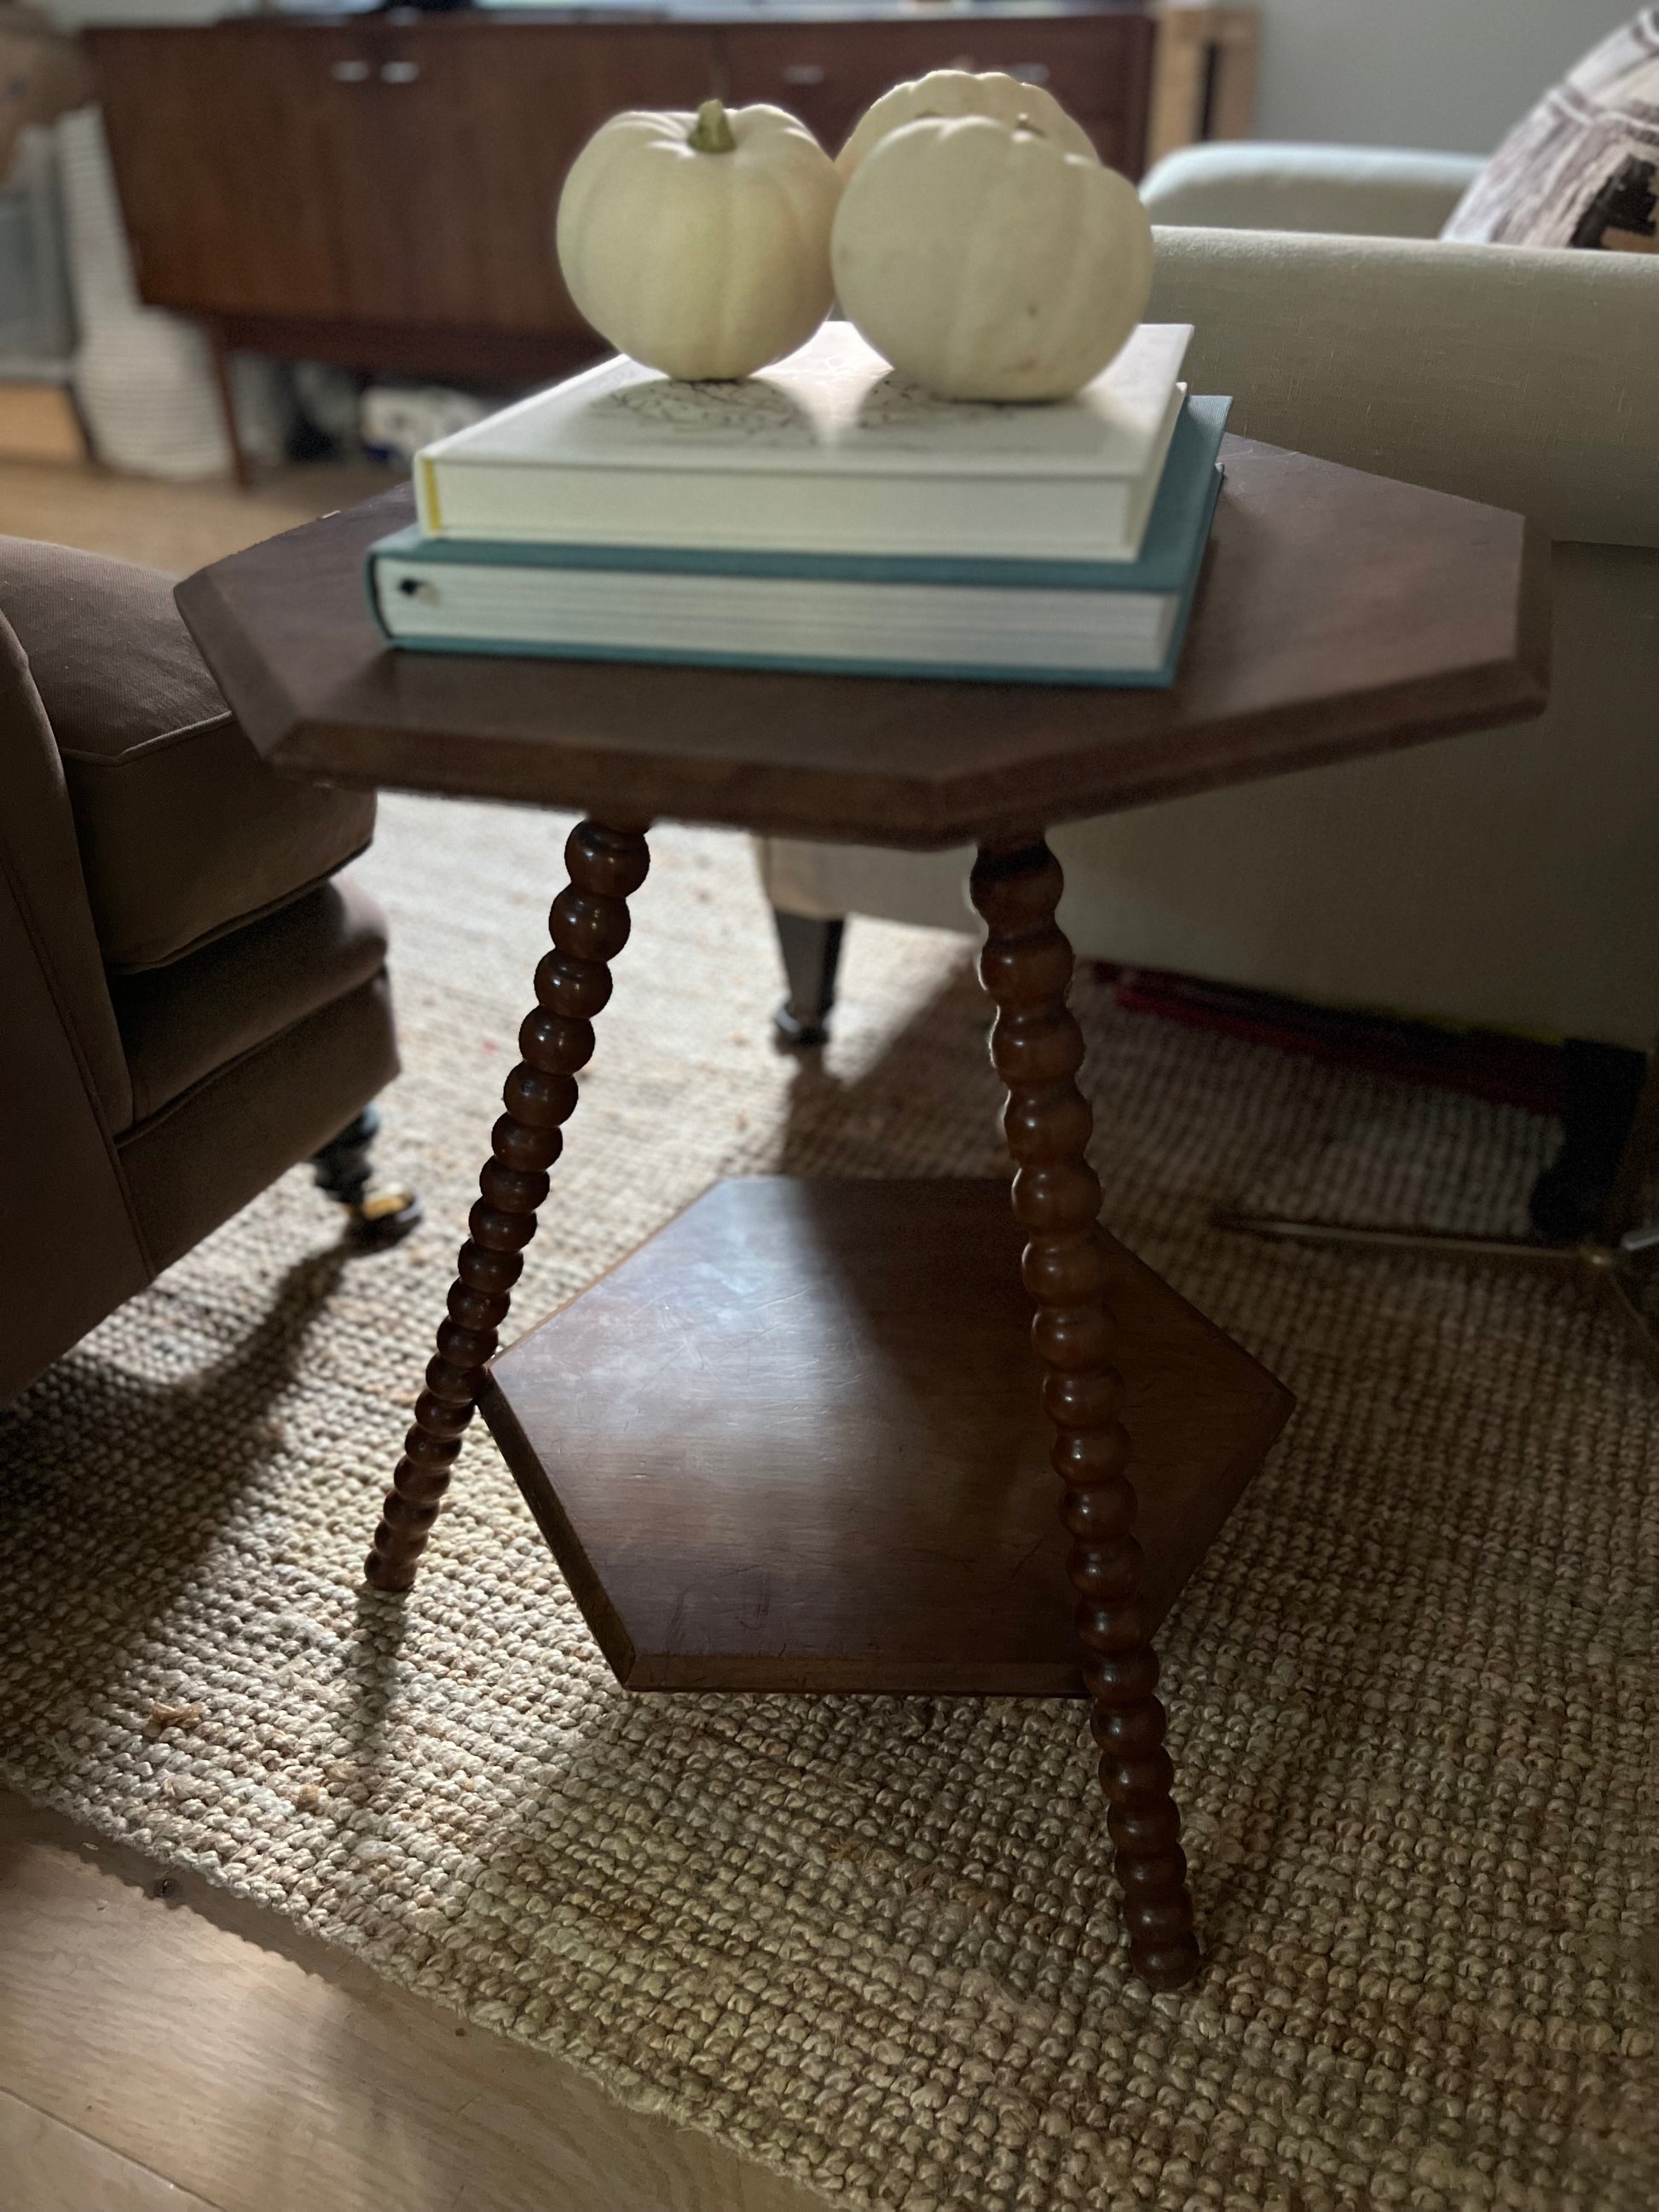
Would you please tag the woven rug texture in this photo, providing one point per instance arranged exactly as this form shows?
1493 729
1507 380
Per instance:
873 1943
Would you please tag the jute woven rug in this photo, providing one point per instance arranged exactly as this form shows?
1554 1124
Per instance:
873 1941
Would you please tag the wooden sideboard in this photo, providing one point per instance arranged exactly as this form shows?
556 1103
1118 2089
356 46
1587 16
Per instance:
378 190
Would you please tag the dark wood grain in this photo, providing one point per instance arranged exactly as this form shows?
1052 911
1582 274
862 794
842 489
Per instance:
1037 1050
469 351
589 925
316 186
1099 68
796 1442
374 172
1339 614
222 154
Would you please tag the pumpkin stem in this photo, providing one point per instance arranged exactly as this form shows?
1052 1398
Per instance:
711 131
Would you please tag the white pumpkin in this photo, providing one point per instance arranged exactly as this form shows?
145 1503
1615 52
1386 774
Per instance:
963 91
700 244
988 263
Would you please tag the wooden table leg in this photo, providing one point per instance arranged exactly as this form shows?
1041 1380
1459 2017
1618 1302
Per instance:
589 924
1037 1049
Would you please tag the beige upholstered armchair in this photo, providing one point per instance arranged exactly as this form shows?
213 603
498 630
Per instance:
1506 878
191 999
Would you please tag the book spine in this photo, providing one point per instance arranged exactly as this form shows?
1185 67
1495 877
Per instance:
372 590
428 504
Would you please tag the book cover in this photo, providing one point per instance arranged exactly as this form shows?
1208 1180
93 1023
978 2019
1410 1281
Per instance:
1146 659
1053 621
1161 565
829 450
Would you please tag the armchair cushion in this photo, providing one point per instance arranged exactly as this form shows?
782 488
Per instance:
1361 191
184 1023
185 834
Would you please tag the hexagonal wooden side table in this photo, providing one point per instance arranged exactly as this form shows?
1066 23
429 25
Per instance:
798 1441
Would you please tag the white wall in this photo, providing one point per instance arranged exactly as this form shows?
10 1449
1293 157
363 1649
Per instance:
1452 73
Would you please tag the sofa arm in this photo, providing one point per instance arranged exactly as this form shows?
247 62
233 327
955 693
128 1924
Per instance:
1364 191
1528 378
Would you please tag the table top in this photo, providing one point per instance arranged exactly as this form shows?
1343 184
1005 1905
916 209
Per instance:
1338 614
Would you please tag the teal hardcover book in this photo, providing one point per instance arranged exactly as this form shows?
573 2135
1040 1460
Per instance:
1107 622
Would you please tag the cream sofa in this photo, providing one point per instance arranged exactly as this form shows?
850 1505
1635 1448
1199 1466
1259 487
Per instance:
1509 879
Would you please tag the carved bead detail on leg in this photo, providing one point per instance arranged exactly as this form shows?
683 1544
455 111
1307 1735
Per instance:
589 925
1037 1049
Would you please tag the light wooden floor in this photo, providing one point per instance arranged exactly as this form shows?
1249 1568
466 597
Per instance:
176 526
192 2052
187 2050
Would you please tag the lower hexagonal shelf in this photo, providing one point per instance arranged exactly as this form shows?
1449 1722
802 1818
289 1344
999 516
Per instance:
795 1442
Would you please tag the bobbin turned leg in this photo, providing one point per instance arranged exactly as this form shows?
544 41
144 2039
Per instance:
589 925
1037 1049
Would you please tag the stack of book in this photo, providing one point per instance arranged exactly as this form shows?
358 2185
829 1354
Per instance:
826 515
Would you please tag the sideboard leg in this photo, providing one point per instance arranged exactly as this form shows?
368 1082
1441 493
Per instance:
1037 1049
219 354
589 924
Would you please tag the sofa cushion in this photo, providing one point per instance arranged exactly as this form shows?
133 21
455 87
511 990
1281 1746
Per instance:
183 1022
1582 169
184 831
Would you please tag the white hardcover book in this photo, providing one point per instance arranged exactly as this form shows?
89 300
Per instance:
828 452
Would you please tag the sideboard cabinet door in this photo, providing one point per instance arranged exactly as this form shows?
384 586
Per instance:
464 135
371 172
1098 67
221 144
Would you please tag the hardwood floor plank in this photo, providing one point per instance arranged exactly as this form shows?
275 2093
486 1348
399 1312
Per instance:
203 2038
175 527
51 2167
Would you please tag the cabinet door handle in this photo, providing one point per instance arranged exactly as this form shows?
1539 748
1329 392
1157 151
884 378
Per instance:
1028 72
349 72
399 72
804 73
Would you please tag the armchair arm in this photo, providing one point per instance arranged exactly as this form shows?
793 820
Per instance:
69 1248
1361 191
1528 378
40 864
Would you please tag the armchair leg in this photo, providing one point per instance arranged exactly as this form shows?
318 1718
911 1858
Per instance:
812 954
1571 1198
381 1213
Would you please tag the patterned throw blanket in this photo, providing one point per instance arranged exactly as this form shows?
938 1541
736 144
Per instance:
1582 169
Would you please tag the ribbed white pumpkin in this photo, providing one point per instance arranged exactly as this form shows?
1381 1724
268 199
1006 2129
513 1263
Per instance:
700 244
963 91
986 263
